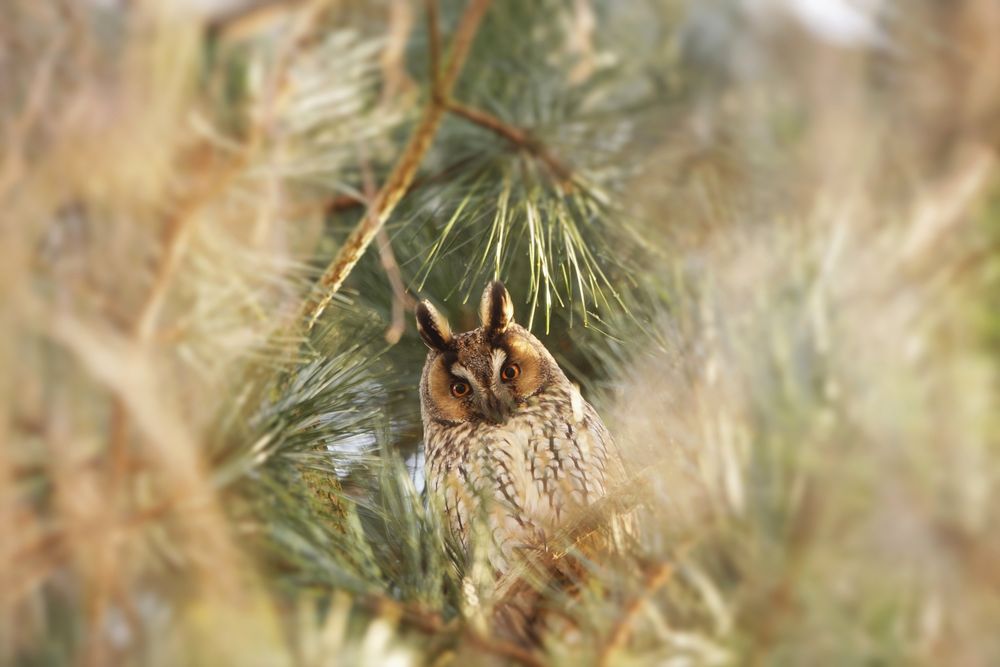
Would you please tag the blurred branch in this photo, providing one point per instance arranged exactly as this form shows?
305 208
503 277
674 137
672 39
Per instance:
394 74
977 557
241 19
434 46
432 623
401 301
178 224
403 173
660 574
582 40
18 131
52 549
174 239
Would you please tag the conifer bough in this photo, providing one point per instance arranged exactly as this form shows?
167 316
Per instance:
406 167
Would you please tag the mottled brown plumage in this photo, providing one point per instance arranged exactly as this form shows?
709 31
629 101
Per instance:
508 437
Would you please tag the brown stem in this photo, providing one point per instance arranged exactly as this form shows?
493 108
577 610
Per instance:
400 299
175 235
434 39
17 133
394 76
348 202
657 577
247 17
430 622
518 137
52 550
404 171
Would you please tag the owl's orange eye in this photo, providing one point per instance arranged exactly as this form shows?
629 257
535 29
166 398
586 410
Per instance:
460 389
510 372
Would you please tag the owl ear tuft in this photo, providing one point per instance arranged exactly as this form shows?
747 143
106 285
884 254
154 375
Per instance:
434 328
496 310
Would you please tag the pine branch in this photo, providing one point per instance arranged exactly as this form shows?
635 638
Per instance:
402 178
403 173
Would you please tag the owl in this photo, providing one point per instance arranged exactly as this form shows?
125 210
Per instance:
509 440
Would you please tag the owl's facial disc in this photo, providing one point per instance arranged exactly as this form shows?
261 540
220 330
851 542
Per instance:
484 374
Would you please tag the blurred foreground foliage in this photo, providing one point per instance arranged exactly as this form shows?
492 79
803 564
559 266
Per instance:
766 244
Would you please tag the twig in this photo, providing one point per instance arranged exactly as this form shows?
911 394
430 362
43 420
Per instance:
581 38
401 301
394 74
175 236
178 225
430 622
518 137
346 202
503 648
52 550
434 38
404 171
247 17
657 577
18 131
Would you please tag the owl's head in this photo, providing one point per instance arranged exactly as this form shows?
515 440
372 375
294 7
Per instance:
484 374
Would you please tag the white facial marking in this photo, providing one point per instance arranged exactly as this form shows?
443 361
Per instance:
461 371
499 356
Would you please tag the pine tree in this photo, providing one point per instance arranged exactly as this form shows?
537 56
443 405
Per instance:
763 240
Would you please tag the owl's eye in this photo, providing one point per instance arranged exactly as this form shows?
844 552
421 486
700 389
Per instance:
510 372
460 389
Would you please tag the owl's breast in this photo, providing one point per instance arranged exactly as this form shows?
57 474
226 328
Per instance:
522 477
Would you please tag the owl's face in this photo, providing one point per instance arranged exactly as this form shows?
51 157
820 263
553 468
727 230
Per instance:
483 375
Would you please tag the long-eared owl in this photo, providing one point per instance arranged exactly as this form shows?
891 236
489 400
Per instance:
508 437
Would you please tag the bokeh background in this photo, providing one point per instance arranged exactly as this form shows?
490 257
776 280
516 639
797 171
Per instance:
762 235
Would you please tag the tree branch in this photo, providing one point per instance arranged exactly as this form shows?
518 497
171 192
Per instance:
657 577
518 137
402 175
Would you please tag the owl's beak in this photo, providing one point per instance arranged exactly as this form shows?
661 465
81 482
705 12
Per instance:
495 409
